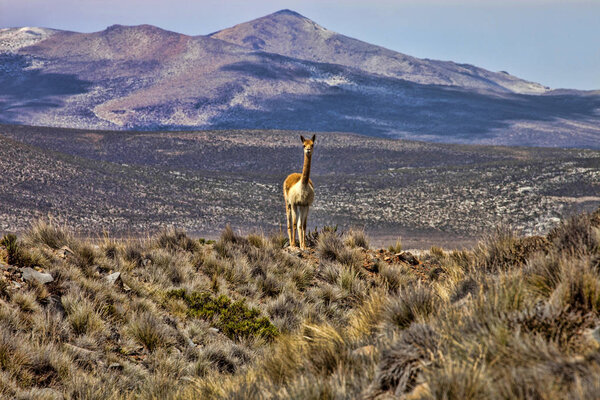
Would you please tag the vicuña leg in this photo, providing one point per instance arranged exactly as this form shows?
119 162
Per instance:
304 218
301 223
290 223
294 223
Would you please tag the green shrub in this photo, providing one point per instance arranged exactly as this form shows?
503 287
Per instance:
12 248
238 320
16 254
234 319
206 241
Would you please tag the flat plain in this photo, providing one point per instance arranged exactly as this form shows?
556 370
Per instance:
136 183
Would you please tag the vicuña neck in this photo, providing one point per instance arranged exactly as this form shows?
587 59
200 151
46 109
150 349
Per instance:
306 169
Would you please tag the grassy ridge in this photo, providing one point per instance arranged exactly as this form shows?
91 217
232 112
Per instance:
515 317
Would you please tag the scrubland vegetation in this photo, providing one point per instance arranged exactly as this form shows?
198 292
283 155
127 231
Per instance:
246 318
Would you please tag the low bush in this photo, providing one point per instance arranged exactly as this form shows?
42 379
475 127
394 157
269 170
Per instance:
12 248
149 331
356 238
313 237
49 234
173 239
235 319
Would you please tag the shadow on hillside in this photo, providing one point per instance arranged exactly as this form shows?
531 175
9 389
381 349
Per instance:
22 88
381 106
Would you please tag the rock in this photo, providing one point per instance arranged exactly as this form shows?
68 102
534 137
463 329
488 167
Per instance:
420 391
407 258
64 251
364 351
594 334
295 251
114 278
115 367
47 393
434 274
463 301
30 274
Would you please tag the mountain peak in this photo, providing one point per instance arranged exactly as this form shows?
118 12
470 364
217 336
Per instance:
145 28
280 32
289 12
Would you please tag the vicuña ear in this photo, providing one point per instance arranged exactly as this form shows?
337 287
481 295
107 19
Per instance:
302 138
313 138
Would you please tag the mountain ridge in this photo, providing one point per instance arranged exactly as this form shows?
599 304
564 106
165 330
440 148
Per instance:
366 56
147 78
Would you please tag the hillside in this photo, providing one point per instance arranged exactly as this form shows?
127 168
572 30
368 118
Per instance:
137 182
170 317
282 71
293 35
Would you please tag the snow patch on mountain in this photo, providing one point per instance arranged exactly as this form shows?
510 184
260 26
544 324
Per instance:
13 39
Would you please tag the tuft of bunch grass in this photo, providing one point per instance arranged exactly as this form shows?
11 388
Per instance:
398 370
356 238
503 250
331 247
149 331
174 239
17 254
412 303
47 233
396 247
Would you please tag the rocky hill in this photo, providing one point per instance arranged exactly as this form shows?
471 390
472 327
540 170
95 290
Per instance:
282 71
170 317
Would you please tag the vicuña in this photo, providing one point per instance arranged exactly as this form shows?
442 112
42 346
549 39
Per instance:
299 194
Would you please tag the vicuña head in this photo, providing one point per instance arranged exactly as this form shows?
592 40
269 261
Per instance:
299 194
308 144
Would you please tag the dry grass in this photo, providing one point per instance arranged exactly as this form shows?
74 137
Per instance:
510 319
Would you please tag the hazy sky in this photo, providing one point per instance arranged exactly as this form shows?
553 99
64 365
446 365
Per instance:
556 43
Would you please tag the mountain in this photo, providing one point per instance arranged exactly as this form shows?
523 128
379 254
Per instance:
282 71
289 33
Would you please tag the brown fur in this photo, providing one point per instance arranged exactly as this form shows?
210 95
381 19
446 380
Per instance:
291 180
298 194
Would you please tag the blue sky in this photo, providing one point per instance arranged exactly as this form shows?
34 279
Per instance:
556 43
